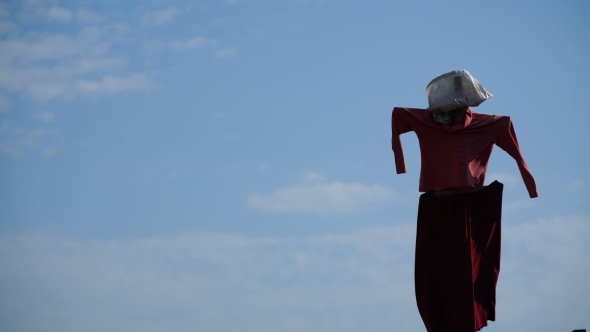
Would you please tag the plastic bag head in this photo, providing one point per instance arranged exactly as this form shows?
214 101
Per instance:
454 90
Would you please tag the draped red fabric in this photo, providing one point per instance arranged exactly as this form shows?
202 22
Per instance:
456 155
457 263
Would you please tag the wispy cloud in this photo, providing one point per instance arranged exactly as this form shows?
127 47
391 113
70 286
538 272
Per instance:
61 14
14 140
312 177
49 151
335 282
4 11
217 22
231 2
41 65
114 84
520 204
575 186
310 1
83 16
53 47
213 282
88 17
545 264
321 197
159 17
46 66
4 103
48 117
505 178
190 44
226 52
194 43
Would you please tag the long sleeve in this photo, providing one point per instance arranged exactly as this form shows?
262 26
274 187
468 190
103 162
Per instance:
507 141
399 125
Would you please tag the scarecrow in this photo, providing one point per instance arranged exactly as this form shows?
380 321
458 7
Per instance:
459 219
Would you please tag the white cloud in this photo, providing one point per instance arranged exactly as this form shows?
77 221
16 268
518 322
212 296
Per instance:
520 204
162 170
575 186
231 2
322 197
354 281
231 169
217 22
6 26
160 17
312 177
83 143
226 52
60 14
42 83
49 151
262 167
113 84
554 239
15 140
44 67
4 11
545 269
4 103
47 117
193 43
52 47
505 178
88 17
197 42
210 282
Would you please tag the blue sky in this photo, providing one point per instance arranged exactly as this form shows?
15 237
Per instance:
226 165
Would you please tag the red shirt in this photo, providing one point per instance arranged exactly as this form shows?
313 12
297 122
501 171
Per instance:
456 156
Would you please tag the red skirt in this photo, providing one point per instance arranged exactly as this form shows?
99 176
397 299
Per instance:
458 258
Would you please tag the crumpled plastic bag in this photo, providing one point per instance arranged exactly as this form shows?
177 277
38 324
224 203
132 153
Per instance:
454 90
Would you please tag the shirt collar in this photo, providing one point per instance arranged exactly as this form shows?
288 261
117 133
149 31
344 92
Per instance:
457 125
